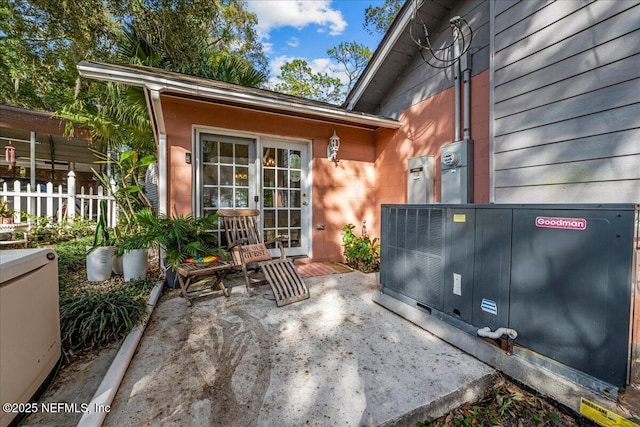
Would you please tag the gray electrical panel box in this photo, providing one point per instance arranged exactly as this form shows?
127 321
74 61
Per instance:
562 276
420 180
456 168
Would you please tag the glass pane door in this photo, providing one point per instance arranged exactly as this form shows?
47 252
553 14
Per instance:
285 200
227 175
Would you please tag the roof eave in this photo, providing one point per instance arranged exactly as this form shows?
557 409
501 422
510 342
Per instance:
148 80
380 55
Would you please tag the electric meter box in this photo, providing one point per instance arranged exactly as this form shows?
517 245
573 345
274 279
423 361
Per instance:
456 168
561 276
420 179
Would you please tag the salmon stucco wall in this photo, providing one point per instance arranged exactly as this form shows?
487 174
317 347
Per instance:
426 127
340 195
343 193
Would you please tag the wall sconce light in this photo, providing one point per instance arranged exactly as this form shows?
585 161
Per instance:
332 148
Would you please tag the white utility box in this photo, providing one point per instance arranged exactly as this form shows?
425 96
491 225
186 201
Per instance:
29 324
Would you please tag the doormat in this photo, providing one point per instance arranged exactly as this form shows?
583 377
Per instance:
321 269
340 268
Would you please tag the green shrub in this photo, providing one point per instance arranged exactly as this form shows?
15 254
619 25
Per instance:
44 230
361 253
95 318
49 231
71 255
77 228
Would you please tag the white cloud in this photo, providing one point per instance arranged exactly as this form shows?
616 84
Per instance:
267 47
296 13
293 42
320 65
326 65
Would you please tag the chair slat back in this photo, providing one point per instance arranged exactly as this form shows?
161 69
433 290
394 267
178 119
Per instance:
241 224
247 247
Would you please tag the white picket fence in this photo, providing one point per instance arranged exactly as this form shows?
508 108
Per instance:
53 202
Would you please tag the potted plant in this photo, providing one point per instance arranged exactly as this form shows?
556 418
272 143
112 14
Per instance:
180 237
99 255
132 248
129 166
6 214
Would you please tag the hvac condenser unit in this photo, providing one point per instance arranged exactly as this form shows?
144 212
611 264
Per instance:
561 276
29 324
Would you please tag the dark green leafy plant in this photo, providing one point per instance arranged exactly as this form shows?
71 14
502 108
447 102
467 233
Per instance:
94 318
101 236
144 238
128 190
180 236
73 228
362 253
43 229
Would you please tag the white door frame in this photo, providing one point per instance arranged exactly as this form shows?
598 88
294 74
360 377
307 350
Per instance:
256 173
306 208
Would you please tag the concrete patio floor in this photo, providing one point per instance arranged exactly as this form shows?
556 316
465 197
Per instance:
334 359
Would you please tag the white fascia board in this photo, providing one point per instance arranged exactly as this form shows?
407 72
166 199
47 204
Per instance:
161 84
154 97
365 79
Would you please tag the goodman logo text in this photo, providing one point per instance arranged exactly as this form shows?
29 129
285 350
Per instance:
563 223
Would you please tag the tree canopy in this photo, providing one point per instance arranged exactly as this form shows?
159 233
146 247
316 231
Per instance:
41 42
299 79
378 19
353 58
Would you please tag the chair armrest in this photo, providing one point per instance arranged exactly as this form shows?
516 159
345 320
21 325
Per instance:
279 240
238 242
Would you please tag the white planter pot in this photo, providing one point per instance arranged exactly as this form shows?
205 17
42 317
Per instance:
134 264
99 263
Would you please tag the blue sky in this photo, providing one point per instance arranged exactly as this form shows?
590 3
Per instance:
306 29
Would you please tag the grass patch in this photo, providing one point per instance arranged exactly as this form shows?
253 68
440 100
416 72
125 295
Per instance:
72 255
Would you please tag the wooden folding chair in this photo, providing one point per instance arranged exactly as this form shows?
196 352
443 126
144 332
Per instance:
249 252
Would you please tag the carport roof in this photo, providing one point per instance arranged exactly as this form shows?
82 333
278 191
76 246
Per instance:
52 143
198 88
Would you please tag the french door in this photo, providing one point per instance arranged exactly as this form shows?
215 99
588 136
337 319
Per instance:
286 200
267 174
